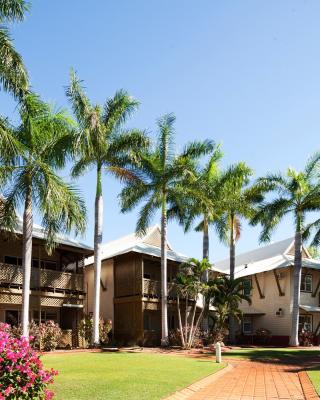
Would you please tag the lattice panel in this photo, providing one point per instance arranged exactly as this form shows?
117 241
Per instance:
51 301
151 306
10 274
10 298
61 280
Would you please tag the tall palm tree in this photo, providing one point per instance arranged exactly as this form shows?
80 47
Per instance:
13 74
105 145
30 155
238 202
160 174
201 199
297 194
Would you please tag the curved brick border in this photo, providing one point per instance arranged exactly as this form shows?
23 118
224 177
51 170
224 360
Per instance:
307 386
195 387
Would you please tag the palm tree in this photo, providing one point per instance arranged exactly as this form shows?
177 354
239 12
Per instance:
30 155
190 286
296 194
13 74
105 145
238 201
160 174
201 199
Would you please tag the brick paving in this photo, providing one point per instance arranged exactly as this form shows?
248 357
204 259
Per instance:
252 380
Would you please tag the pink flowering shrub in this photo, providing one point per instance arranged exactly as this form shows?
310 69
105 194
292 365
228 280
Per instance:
22 375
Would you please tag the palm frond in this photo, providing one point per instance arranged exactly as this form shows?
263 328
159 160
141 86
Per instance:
13 73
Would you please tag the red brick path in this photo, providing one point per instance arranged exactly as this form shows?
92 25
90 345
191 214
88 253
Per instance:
250 380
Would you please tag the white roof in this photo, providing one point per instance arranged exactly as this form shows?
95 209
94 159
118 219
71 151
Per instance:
310 308
266 258
148 244
40 233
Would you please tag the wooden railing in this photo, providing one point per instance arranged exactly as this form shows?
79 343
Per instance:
41 279
153 288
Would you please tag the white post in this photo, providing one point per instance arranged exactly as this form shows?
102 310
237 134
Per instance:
218 352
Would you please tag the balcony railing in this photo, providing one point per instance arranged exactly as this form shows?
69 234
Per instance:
11 275
152 288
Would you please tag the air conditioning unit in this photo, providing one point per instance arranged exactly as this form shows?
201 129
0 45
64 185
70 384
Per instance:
279 313
281 275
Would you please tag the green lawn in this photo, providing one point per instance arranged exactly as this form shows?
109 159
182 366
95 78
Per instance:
124 375
314 375
271 353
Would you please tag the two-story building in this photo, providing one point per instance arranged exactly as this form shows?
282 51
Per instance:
131 287
268 274
57 281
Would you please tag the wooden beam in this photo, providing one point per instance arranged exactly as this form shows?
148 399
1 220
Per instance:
281 293
104 288
258 286
317 329
316 289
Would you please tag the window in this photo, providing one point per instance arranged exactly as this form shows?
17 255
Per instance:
13 260
12 317
247 325
247 287
35 262
306 283
305 323
45 316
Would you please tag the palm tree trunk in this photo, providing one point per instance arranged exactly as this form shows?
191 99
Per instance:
232 333
26 260
97 257
205 244
196 327
205 250
164 285
180 322
294 339
192 323
186 320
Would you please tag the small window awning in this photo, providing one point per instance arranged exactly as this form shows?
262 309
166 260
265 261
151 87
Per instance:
309 308
252 312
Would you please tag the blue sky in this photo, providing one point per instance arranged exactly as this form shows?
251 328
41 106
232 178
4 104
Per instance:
244 73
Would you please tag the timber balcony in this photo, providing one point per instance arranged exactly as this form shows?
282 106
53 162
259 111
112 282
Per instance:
11 276
152 289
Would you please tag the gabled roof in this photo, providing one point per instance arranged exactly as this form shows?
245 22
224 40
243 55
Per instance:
266 258
39 232
150 244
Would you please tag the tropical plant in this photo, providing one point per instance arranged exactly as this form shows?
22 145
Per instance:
226 299
296 194
30 156
50 335
103 144
190 288
13 74
160 175
22 374
314 252
85 329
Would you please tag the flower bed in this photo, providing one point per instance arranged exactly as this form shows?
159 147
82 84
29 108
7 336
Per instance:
22 375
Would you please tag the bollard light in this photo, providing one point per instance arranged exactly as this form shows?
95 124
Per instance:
218 352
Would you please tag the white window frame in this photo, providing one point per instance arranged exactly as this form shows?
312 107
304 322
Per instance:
303 285
307 326
247 320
